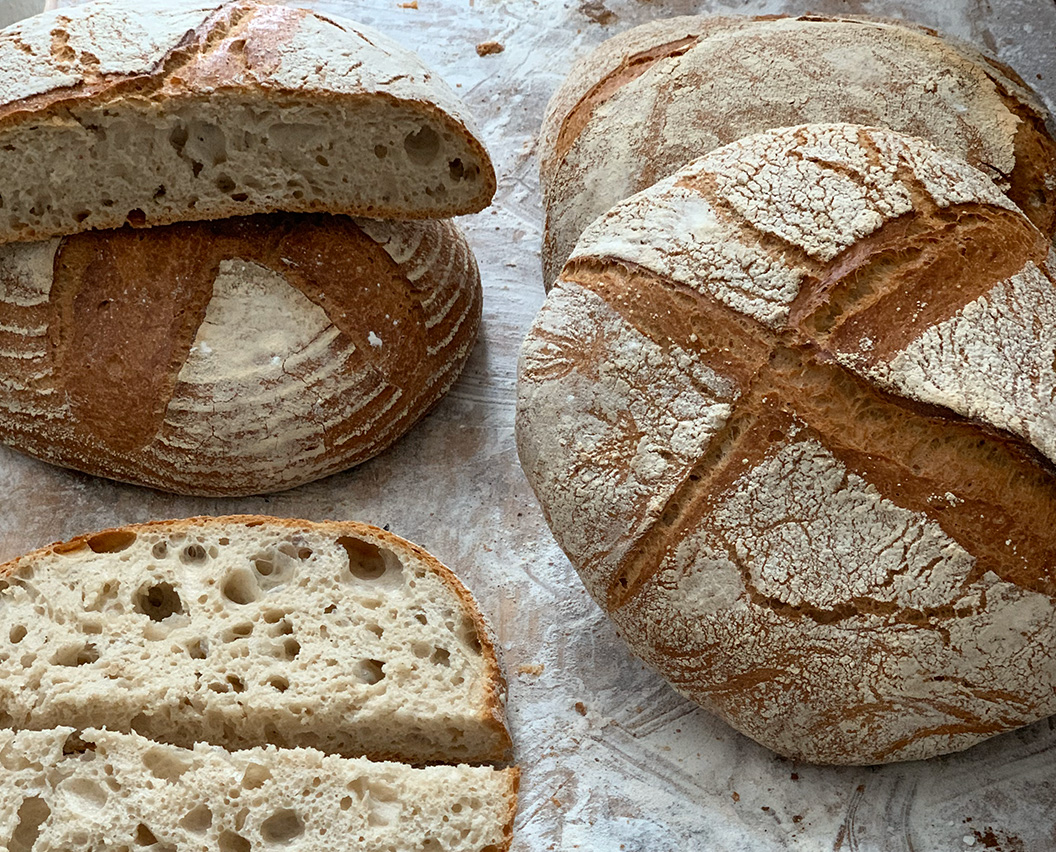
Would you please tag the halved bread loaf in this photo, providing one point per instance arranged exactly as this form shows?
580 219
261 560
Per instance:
100 791
233 357
657 96
789 412
248 631
151 112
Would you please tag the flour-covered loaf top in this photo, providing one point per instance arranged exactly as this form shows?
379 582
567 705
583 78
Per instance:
156 112
248 631
655 97
794 401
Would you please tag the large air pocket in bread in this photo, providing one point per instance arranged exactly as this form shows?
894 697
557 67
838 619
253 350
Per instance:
790 414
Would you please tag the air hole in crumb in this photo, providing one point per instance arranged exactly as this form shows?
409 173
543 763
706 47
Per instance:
279 683
321 160
31 813
376 629
255 776
441 657
281 827
346 803
456 169
17 634
111 541
193 554
365 561
223 542
157 601
239 587
136 218
291 648
224 183
144 836
272 615
160 550
75 745
264 567
165 764
197 649
381 152
237 684
421 619
421 650
240 196
369 671
422 147
229 841
159 192
329 609
80 216
240 631
198 819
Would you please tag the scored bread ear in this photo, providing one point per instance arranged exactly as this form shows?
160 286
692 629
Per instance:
147 114
787 412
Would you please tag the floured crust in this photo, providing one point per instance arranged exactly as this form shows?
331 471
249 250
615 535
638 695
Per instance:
832 565
242 356
493 739
656 97
150 65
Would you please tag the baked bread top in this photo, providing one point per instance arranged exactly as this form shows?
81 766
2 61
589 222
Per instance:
153 112
789 414
240 356
655 97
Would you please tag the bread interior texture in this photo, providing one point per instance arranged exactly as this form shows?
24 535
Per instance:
142 162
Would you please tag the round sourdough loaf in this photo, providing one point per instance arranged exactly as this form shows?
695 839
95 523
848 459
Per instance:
153 111
790 414
231 357
651 99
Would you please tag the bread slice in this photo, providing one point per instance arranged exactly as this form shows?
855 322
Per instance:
249 631
100 791
151 112
238 356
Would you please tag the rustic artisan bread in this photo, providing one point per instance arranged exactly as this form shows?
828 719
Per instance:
789 413
149 112
231 357
249 631
103 791
651 99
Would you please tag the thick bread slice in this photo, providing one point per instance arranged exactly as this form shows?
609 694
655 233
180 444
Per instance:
239 356
150 112
790 414
247 631
657 96
100 791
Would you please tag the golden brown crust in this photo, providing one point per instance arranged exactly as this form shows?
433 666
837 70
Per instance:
121 387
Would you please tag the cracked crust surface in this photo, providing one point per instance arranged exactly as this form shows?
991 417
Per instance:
652 99
789 414
266 351
150 113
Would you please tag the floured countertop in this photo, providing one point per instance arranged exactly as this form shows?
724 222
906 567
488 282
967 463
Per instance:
612 758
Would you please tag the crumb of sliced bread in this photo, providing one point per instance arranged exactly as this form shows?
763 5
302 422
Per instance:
104 791
246 631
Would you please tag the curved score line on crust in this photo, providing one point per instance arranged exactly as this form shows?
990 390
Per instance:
790 377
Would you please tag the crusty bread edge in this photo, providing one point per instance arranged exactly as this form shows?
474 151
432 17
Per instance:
494 716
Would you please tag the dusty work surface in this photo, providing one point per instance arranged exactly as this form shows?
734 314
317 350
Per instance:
612 758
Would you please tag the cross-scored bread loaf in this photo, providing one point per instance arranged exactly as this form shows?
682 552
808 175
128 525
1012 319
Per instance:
239 356
100 791
150 112
789 412
655 97
249 631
